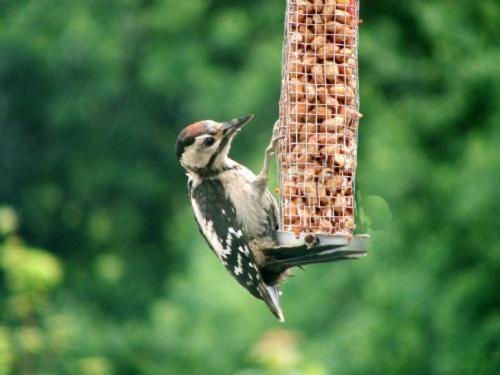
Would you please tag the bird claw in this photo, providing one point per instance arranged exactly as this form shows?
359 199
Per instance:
271 150
262 177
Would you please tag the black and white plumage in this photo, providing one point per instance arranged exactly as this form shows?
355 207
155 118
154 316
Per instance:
236 213
217 219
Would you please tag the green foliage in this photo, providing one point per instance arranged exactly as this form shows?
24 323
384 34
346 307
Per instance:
102 270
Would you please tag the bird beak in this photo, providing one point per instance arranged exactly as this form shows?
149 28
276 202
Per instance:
231 127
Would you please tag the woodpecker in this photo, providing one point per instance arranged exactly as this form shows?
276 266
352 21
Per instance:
237 214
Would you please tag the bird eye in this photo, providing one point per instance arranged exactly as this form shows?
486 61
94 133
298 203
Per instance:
209 142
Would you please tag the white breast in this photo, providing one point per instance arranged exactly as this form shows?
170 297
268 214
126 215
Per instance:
251 209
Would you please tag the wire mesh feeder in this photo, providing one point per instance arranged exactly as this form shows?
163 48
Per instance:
319 117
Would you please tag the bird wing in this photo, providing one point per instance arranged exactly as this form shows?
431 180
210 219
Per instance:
273 212
217 221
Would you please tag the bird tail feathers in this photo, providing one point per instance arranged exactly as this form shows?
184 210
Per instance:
301 255
271 296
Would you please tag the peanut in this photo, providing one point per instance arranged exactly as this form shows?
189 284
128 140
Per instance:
343 17
331 71
319 108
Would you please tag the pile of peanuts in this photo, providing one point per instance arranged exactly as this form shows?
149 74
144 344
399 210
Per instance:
319 112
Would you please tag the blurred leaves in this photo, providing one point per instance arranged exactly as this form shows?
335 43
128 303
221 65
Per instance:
8 220
277 351
6 352
29 272
102 269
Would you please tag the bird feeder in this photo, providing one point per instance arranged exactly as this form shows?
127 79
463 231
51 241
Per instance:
319 118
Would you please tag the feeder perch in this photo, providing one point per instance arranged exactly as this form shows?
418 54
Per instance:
319 118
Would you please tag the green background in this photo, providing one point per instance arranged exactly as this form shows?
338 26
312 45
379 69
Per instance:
102 270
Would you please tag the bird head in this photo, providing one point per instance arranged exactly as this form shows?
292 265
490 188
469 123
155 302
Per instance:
203 146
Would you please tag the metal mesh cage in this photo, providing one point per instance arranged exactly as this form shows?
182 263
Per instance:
319 116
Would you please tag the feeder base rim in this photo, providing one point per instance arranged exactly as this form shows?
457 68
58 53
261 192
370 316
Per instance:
358 242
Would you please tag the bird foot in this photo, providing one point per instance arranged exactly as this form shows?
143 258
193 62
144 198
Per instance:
263 177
